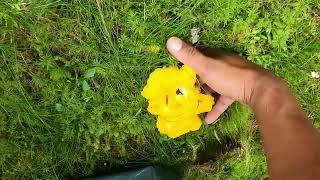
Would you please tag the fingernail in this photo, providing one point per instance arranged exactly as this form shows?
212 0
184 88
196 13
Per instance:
174 44
211 122
207 121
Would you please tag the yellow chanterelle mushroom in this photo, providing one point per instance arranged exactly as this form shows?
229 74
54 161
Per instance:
175 99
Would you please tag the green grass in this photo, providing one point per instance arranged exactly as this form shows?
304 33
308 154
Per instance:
72 71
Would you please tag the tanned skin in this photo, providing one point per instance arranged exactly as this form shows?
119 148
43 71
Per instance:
291 143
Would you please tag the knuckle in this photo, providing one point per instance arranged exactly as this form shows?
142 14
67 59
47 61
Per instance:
225 101
193 52
205 68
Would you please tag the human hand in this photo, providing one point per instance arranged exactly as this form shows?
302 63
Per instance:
233 77
283 124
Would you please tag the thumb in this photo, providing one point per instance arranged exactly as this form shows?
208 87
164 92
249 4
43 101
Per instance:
187 55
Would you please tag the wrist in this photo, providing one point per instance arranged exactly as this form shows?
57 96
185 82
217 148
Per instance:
267 89
272 98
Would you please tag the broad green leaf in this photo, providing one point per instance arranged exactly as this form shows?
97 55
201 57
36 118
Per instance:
85 86
89 73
